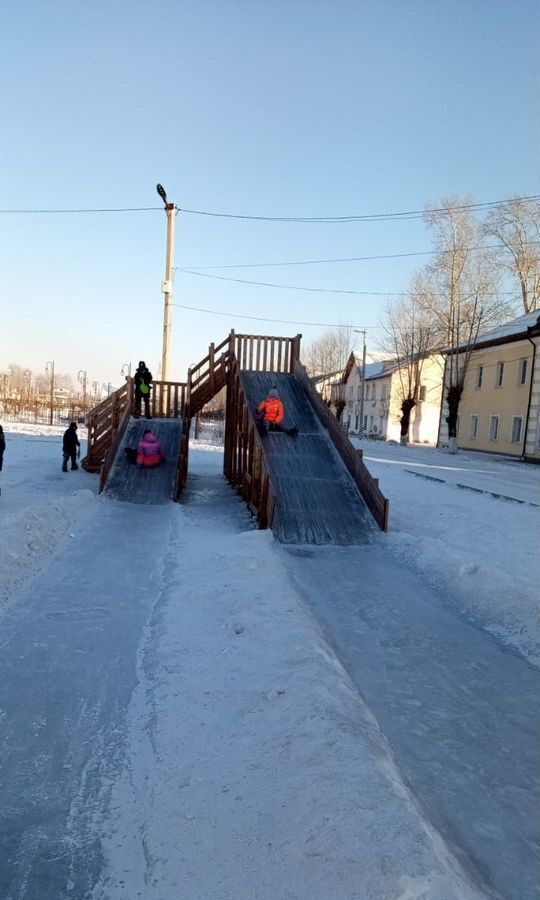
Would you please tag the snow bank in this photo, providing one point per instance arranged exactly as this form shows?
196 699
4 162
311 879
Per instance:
30 536
478 551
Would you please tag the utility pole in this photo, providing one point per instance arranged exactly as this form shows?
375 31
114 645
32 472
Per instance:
50 368
362 395
167 285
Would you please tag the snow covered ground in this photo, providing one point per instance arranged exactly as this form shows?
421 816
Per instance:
223 750
481 551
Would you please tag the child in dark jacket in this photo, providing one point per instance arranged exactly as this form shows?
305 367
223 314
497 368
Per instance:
70 447
2 446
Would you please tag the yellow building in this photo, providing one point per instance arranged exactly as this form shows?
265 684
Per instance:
499 407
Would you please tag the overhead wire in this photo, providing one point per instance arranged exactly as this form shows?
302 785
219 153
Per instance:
362 217
310 262
216 312
371 217
314 290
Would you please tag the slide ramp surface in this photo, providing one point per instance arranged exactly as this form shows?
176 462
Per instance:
317 502
127 482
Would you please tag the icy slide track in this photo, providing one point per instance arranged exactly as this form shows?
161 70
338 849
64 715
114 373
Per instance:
116 616
317 501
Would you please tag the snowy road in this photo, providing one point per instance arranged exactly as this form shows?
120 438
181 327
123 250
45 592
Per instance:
460 711
175 723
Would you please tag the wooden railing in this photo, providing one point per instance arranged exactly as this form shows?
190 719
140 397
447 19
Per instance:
244 463
262 353
168 399
120 418
208 377
368 486
102 423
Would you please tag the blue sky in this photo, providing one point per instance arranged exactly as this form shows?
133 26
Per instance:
294 107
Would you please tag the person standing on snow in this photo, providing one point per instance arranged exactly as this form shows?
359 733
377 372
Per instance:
271 413
70 447
2 446
143 383
149 453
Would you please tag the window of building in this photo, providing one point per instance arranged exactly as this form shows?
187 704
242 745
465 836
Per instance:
356 424
350 392
523 371
500 374
359 392
367 390
365 423
473 432
494 428
422 394
479 376
374 391
517 428
457 424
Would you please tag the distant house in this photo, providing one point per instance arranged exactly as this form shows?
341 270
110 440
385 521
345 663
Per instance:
500 404
385 383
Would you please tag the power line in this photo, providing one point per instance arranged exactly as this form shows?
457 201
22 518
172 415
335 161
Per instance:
216 312
312 290
371 217
61 211
310 262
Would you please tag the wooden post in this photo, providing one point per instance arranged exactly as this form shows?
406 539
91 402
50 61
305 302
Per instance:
211 367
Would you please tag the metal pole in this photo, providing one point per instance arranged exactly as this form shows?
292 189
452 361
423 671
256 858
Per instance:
51 365
167 288
83 377
362 396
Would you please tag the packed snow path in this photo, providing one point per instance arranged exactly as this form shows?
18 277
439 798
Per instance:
459 709
67 673
173 725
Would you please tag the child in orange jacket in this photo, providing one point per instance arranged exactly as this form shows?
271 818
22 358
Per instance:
272 414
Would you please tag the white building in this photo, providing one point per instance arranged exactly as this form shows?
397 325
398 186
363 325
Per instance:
385 386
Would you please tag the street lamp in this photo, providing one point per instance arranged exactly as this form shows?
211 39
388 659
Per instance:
49 368
362 331
126 370
167 285
83 378
95 386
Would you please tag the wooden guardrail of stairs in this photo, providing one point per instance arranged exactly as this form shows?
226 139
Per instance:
244 463
119 422
102 422
368 486
208 377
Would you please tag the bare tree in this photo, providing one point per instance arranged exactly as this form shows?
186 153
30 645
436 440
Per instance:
460 294
329 353
517 226
409 336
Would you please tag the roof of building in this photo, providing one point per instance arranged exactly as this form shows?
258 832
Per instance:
514 330
516 327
